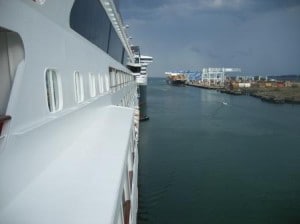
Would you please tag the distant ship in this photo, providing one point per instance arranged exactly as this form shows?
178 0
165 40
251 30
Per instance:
139 69
174 78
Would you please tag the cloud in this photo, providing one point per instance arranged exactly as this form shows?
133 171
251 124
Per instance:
196 50
258 36
154 10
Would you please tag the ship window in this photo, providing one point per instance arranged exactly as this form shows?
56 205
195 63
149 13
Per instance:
111 78
53 90
78 84
92 85
106 83
125 58
89 19
101 83
115 47
118 78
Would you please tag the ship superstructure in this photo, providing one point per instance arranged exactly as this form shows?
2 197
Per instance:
69 115
141 62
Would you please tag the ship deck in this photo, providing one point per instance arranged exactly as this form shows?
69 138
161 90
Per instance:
81 185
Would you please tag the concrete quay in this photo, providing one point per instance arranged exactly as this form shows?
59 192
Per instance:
198 85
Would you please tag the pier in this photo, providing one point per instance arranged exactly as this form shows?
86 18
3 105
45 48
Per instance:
279 94
203 86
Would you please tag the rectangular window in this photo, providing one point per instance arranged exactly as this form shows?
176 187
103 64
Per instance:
101 84
106 83
54 95
78 85
92 78
112 78
115 47
89 19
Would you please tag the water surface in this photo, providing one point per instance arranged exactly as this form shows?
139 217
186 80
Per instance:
208 157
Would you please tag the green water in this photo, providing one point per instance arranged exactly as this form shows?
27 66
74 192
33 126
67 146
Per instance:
205 162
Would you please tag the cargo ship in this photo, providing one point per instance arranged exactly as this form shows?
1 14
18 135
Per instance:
176 79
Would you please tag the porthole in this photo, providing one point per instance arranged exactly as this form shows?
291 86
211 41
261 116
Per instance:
101 84
54 93
78 87
106 83
92 78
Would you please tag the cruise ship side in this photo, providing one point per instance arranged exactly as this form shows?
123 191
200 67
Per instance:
69 116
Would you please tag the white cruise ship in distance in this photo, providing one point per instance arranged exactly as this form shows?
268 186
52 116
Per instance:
69 114
141 63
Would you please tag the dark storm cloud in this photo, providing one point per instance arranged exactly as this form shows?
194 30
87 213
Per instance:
260 36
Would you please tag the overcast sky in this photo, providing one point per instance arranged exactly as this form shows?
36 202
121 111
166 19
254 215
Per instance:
259 36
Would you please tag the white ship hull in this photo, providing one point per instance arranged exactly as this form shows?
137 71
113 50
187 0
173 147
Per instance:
69 152
141 80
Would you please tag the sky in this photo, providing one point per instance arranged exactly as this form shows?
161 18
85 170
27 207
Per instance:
262 37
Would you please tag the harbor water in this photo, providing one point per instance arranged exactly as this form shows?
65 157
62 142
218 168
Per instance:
208 157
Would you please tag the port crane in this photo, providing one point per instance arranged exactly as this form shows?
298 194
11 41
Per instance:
216 76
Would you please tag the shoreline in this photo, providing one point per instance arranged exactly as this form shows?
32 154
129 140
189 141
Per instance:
289 95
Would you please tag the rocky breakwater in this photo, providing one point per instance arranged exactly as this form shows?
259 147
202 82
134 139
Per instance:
276 95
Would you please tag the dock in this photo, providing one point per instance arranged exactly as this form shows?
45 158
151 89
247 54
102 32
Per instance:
278 95
198 85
